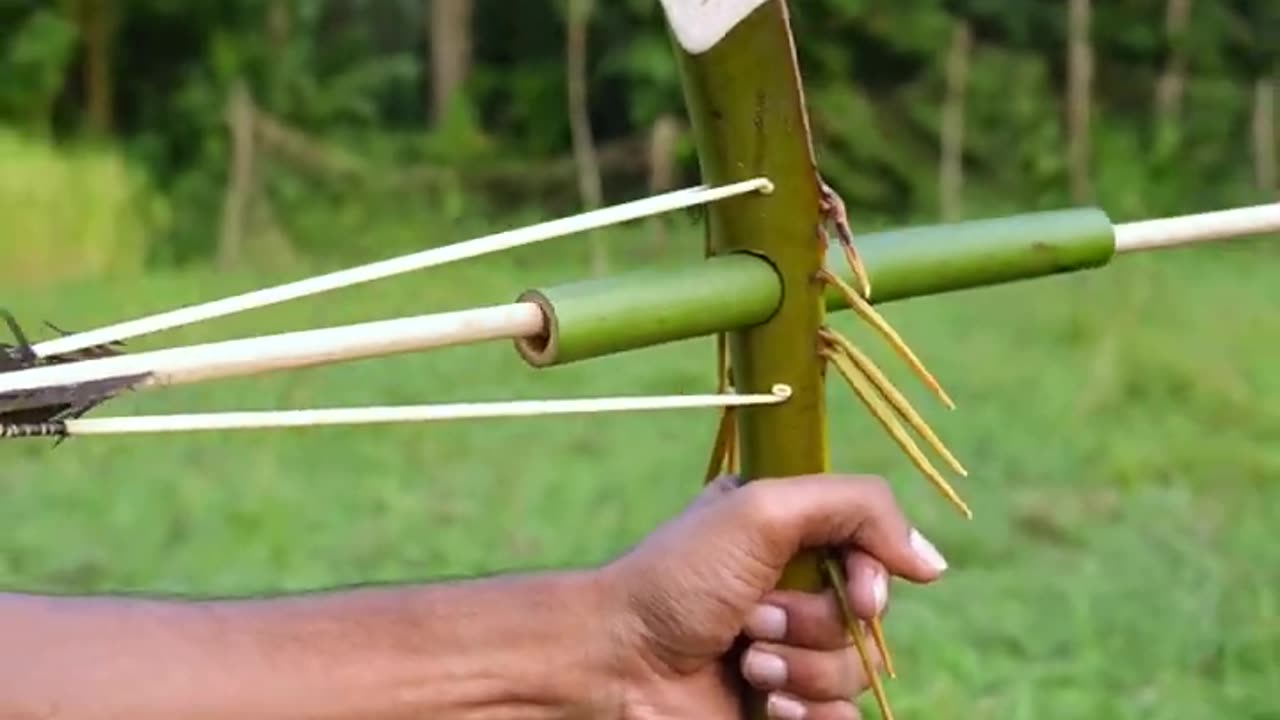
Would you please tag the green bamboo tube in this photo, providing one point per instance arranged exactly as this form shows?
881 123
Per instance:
932 259
733 292
641 309
747 115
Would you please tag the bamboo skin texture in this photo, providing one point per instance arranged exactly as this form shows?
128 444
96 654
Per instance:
747 116
731 291
746 106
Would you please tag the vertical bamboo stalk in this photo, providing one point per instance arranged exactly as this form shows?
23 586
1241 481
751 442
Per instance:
747 114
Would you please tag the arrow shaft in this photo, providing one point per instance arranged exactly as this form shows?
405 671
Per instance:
251 356
1164 233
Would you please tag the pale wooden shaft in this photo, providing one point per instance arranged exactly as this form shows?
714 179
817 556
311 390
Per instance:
251 356
1198 228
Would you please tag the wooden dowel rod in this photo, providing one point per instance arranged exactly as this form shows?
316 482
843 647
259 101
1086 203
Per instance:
1202 227
251 356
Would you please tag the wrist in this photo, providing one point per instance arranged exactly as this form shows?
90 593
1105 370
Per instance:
589 665
628 674
550 653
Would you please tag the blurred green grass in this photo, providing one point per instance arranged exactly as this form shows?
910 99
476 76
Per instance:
1121 429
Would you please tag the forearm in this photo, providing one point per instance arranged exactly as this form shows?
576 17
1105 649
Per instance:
520 647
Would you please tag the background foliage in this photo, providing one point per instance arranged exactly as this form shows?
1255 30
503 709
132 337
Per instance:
152 80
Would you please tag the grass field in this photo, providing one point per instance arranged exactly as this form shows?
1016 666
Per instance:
1122 430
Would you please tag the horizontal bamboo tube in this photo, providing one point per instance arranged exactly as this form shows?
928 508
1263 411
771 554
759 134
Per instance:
731 292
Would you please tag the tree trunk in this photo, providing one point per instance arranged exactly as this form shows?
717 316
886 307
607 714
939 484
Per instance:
1264 136
449 27
238 197
951 170
279 21
1169 88
590 186
97 22
1079 92
663 137
279 25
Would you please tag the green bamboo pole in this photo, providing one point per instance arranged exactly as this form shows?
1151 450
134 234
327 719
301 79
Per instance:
732 292
747 115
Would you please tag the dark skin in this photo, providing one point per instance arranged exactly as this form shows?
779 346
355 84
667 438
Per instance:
649 636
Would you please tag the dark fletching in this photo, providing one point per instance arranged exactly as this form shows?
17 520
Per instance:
47 405
20 355
62 403
55 429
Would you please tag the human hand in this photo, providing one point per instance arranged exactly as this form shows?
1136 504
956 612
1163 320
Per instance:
706 580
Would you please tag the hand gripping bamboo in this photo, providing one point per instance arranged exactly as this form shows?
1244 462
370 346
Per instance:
747 114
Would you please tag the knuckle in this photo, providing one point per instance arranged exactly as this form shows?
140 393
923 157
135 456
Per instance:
815 622
755 505
829 620
827 676
878 491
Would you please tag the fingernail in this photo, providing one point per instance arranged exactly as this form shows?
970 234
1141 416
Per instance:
782 707
927 551
765 669
767 622
880 591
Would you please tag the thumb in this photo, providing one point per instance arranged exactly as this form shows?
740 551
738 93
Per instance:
811 511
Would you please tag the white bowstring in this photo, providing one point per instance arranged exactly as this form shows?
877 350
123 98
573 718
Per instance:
413 413
507 240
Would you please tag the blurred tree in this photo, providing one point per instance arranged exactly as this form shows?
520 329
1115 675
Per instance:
919 106
1079 97
951 166
98 21
577 56
1169 89
451 43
